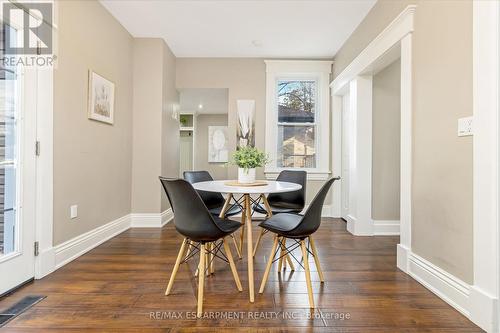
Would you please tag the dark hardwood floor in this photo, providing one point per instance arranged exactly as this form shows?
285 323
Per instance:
119 287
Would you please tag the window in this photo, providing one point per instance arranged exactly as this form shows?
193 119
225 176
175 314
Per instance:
297 117
296 124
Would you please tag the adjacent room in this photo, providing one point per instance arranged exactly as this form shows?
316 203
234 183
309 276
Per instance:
247 165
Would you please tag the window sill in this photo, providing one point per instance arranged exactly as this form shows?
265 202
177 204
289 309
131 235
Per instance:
312 174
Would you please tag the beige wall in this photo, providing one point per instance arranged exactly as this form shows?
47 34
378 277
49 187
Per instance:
92 160
245 78
155 133
386 124
442 93
169 126
217 170
147 101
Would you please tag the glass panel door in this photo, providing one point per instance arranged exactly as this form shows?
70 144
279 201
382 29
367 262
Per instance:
18 100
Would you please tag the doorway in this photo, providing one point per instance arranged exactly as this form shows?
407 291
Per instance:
204 137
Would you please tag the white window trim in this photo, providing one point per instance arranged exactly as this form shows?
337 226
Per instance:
319 71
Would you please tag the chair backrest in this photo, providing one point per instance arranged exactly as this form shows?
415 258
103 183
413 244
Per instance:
312 217
211 199
191 217
295 199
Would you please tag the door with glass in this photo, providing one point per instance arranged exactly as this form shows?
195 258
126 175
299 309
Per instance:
17 173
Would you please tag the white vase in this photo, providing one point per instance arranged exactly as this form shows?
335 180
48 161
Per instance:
246 176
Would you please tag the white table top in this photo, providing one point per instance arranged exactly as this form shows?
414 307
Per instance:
271 187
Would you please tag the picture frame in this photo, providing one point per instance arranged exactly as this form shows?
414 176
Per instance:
101 98
217 144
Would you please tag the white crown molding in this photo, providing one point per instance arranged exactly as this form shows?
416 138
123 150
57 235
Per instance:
390 36
299 66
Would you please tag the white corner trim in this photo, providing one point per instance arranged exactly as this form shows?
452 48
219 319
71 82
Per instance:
386 227
483 308
311 174
151 220
402 257
75 247
445 285
390 36
486 169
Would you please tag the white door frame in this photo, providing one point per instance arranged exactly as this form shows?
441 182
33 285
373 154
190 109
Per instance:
394 42
45 261
484 292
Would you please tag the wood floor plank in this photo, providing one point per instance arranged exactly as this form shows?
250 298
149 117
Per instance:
119 287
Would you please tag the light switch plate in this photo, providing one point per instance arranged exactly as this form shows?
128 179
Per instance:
465 126
73 211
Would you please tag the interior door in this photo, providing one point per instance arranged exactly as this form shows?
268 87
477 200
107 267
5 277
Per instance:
345 157
17 174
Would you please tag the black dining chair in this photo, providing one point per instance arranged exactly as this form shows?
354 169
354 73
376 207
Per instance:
297 228
287 202
203 231
214 201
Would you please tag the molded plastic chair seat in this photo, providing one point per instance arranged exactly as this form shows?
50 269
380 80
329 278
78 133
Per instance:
282 224
275 209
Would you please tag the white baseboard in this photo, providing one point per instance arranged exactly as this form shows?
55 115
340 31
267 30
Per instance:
75 247
167 216
386 227
483 309
151 220
359 227
445 285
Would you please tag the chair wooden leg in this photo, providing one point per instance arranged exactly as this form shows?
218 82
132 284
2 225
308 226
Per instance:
188 252
222 214
212 258
236 246
262 231
201 281
316 259
229 256
289 260
207 258
308 273
242 230
176 266
282 253
269 264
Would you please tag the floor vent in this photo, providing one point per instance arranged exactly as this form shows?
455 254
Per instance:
18 308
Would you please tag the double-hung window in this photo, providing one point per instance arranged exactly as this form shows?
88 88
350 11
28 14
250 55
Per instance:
298 117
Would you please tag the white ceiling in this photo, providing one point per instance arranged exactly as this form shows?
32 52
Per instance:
240 28
212 101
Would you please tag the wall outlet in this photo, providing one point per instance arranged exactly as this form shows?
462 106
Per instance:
465 126
73 211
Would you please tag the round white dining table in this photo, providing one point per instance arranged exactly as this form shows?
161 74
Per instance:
244 193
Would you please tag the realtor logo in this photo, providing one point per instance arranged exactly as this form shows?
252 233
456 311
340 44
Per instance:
27 28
